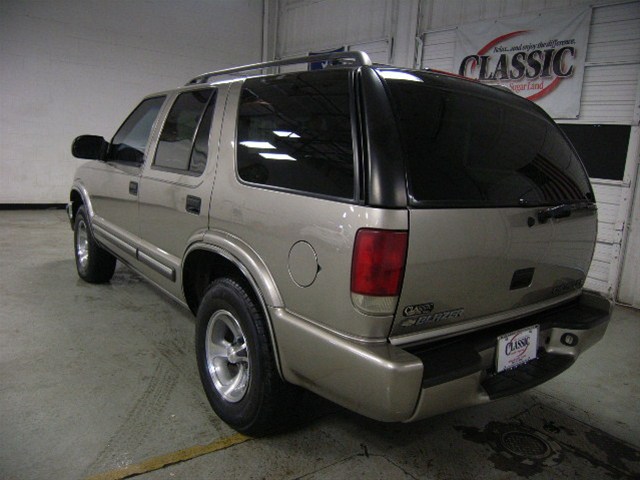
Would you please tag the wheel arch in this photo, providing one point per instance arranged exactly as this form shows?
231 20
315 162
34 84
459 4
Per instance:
77 198
218 256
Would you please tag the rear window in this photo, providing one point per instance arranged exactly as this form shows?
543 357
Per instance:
183 143
468 147
294 133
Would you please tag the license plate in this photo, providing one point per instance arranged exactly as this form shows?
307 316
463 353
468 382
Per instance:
517 348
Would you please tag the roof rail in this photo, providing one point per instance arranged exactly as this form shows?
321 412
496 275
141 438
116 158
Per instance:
356 58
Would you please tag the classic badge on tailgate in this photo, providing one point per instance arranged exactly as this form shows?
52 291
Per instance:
421 309
420 320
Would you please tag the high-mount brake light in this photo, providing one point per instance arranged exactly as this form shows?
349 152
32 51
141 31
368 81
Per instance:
378 262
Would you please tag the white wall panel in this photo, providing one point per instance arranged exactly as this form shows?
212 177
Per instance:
377 51
385 29
629 286
74 67
608 193
438 50
630 280
613 31
609 200
450 13
618 11
603 252
615 34
598 278
313 25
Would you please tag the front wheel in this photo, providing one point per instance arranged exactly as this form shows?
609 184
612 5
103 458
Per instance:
236 361
94 264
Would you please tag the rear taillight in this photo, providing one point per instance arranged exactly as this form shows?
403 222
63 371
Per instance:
378 262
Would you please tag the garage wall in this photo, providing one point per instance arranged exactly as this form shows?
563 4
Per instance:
385 29
630 281
77 66
610 96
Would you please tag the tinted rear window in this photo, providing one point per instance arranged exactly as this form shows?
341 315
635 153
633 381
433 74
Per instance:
294 133
182 146
474 148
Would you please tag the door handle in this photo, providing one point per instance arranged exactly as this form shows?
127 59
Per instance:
193 204
133 188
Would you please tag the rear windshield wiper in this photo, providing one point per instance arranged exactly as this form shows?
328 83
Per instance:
564 210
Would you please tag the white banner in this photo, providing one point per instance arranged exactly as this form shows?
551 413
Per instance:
539 57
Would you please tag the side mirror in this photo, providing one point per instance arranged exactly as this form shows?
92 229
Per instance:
90 147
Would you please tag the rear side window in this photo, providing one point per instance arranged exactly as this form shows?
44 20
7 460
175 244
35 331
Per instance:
183 143
294 133
466 148
130 141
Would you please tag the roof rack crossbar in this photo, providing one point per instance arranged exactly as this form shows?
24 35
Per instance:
357 59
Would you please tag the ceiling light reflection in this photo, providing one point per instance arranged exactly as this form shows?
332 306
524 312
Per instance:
257 145
286 134
277 156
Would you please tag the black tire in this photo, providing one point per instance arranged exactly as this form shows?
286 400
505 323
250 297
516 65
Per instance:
94 264
260 401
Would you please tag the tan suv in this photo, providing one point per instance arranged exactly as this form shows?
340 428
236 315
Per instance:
401 242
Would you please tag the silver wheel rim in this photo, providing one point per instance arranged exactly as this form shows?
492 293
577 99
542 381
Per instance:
227 356
82 245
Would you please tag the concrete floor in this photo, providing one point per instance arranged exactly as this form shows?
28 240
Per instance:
96 378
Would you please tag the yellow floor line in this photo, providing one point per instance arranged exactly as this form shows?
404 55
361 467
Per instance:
161 461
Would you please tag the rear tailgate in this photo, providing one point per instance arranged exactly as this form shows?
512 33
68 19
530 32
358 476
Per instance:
501 213
467 268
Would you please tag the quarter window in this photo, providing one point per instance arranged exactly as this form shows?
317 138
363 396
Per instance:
183 144
294 133
130 141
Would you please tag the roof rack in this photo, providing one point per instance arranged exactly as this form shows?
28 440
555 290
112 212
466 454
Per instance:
354 58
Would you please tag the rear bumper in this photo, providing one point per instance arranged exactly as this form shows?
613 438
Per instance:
388 383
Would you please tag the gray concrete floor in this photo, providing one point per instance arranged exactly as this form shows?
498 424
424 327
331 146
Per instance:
95 378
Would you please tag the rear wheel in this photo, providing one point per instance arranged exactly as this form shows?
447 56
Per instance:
236 361
94 264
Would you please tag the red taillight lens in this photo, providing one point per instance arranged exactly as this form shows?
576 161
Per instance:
378 262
